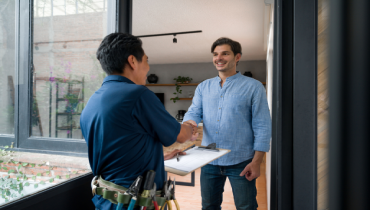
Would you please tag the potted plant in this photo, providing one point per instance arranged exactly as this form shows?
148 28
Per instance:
180 80
72 102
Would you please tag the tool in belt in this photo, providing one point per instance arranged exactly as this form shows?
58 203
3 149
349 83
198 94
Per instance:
169 194
119 195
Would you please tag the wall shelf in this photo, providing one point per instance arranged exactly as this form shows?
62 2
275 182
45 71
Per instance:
189 84
185 99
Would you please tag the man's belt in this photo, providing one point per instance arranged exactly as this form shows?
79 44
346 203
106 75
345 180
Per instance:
116 193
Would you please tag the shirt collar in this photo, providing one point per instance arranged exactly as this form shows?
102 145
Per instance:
232 77
117 78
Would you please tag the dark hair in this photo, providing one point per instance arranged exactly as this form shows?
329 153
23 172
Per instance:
115 49
235 46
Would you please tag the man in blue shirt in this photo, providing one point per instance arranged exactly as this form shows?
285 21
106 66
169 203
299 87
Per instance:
124 123
235 116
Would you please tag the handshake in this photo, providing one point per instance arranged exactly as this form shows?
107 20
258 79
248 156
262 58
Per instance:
194 126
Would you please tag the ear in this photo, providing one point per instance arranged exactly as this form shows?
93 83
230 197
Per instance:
132 62
237 57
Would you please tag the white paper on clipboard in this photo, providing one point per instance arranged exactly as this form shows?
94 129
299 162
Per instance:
193 160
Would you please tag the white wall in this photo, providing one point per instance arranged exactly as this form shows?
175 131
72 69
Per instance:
199 72
269 69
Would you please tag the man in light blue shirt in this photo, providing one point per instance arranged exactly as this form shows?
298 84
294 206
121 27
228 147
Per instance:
235 116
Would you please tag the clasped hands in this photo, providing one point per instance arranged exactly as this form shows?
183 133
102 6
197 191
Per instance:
194 136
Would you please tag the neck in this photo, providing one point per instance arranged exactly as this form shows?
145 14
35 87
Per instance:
127 73
224 75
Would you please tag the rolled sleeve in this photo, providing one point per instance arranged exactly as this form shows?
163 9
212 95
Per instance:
195 111
261 120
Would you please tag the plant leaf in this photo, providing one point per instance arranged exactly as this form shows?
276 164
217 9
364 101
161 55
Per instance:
15 162
32 165
67 176
10 171
6 147
38 174
57 177
34 177
74 172
19 167
5 168
48 172
24 164
42 182
51 180
27 184
1 161
36 185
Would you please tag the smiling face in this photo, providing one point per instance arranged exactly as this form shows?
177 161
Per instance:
224 58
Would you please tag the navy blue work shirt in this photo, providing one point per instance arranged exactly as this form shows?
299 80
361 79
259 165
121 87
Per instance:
125 126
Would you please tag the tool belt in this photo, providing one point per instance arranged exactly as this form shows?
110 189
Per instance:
116 194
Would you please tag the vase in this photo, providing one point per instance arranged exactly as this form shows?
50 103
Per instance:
152 79
248 74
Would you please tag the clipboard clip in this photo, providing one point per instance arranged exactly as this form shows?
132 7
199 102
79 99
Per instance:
210 147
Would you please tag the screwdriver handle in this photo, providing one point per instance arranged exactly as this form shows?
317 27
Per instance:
149 180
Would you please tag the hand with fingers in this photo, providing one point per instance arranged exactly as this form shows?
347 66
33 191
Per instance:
173 154
251 171
195 129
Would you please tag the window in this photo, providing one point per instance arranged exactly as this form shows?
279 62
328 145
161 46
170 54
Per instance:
48 72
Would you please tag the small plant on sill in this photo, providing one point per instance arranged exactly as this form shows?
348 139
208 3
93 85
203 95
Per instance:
18 174
180 80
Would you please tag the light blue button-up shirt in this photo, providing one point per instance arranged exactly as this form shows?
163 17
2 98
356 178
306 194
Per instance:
235 117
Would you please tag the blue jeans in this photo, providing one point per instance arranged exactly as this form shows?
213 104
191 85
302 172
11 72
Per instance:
212 182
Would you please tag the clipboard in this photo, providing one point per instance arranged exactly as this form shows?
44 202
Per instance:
194 159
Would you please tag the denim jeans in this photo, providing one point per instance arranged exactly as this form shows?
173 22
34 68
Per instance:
212 182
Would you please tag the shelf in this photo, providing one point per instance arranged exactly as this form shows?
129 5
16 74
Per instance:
63 99
68 128
68 113
185 99
189 84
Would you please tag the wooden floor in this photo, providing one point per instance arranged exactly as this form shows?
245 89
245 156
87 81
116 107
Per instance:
189 197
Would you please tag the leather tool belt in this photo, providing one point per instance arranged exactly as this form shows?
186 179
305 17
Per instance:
116 193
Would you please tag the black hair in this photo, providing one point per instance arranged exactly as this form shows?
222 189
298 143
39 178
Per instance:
115 49
234 45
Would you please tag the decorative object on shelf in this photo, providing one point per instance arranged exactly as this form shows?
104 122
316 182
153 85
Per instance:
180 80
190 94
248 74
152 79
180 115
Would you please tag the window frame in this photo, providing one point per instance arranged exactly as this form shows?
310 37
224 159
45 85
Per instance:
22 140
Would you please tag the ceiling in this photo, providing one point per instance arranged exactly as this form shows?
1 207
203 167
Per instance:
242 20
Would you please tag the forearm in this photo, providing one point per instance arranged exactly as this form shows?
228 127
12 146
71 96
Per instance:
258 157
185 133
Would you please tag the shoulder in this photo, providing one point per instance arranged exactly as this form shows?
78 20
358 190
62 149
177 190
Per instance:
250 82
208 82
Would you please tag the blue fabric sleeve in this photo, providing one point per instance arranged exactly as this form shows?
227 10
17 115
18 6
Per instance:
261 120
195 111
155 120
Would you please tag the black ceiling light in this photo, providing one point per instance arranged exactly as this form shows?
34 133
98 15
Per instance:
169 34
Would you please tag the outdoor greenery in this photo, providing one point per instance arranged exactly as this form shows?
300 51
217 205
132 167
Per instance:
180 80
12 185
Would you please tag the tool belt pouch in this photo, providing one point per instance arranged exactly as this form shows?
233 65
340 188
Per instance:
115 194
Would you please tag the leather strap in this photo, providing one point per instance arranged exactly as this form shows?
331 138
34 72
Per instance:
115 193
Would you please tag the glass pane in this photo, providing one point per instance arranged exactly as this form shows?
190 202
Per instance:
7 66
66 72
